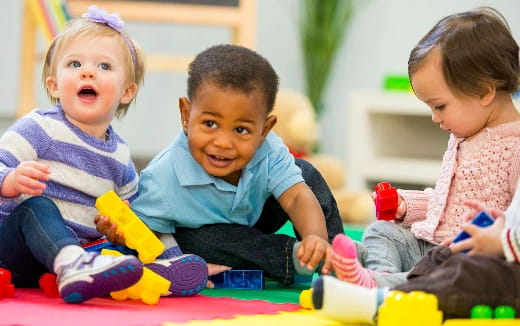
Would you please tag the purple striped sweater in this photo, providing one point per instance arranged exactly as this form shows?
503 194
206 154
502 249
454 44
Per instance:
83 167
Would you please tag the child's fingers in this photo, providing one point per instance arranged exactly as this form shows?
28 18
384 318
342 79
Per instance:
446 242
327 265
462 245
303 254
214 269
318 254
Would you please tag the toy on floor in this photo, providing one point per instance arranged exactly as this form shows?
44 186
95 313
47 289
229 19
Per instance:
48 285
239 279
482 219
6 287
137 235
409 309
386 201
298 127
486 312
305 299
482 315
148 289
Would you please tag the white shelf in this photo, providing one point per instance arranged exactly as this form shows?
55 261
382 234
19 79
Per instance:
391 138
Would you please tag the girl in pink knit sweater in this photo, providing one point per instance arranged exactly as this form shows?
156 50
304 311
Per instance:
465 69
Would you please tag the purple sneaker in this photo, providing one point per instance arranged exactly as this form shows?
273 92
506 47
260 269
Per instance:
187 273
94 275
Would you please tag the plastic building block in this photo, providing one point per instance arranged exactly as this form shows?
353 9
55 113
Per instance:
505 312
482 322
137 235
482 220
481 315
239 279
386 201
481 312
409 309
305 299
6 287
397 83
148 289
48 285
299 279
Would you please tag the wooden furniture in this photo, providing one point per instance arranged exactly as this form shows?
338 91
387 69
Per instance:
240 19
392 138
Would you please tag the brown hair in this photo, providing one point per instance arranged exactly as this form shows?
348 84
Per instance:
478 51
86 27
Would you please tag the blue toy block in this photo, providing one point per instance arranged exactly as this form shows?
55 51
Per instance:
300 279
482 219
239 279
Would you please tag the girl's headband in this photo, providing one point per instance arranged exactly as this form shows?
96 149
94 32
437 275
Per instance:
98 15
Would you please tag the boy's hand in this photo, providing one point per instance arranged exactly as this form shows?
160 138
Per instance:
214 269
314 249
26 179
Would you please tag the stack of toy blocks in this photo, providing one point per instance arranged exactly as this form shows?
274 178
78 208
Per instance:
139 237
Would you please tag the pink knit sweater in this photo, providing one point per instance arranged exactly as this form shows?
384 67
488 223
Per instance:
485 168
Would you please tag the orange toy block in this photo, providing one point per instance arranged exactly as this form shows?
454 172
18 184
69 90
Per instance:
137 235
148 289
409 309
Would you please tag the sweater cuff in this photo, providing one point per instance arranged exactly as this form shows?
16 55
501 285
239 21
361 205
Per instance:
416 205
511 243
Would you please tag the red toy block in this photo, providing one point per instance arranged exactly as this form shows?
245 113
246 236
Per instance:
6 288
49 285
386 201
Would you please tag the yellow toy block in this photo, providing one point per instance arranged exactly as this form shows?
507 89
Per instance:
137 235
482 322
409 309
149 287
305 299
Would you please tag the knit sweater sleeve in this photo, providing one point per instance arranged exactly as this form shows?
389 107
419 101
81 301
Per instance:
416 205
18 144
511 243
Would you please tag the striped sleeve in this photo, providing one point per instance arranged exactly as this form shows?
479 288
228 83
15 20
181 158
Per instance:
511 243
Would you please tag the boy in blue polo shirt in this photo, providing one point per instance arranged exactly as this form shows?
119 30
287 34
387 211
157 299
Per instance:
227 183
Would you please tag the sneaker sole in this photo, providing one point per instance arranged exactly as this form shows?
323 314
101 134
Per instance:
188 274
118 277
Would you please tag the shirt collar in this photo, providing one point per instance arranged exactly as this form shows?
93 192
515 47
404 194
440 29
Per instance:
190 173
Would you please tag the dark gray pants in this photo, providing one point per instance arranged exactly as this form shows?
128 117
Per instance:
243 247
460 281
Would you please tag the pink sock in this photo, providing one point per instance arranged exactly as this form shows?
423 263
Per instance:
346 264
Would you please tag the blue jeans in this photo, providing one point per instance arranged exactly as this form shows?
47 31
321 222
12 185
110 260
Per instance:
392 250
244 247
31 237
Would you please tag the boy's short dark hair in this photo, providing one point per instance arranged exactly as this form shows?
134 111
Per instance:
477 49
233 66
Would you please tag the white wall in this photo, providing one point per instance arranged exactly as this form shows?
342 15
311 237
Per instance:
378 41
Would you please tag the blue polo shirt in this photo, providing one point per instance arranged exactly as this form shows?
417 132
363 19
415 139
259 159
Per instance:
175 191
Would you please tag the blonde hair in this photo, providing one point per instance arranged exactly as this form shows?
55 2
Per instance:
84 27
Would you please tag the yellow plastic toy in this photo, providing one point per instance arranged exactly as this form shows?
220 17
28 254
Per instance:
409 309
149 288
482 322
305 299
137 235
